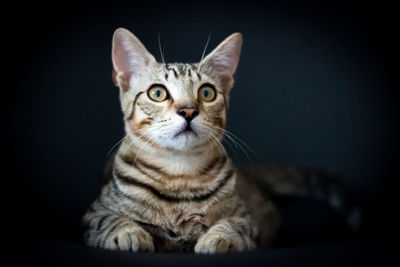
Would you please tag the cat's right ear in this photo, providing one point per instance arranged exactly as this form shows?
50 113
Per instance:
129 57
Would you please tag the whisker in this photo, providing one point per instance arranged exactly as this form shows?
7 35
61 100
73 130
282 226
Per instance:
153 128
222 136
132 142
237 138
204 51
119 142
161 50
215 137
241 141
116 144
238 143
217 143
137 154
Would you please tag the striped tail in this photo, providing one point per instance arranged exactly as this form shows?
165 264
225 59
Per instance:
295 181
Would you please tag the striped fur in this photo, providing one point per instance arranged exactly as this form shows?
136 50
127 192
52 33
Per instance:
172 210
168 188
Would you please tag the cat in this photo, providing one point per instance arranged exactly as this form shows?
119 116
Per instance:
171 185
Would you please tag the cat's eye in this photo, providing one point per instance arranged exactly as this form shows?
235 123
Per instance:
157 93
207 93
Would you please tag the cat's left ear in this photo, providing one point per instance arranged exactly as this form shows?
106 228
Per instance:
129 57
222 62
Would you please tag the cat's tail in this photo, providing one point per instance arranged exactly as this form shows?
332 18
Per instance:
294 181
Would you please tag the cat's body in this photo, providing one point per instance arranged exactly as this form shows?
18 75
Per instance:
171 185
176 210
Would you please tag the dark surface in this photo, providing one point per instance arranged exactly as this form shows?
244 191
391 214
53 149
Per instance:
316 86
316 238
49 251
52 252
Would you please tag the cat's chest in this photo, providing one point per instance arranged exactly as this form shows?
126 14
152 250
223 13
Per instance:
177 226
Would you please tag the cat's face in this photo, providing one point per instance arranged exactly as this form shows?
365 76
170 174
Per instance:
176 106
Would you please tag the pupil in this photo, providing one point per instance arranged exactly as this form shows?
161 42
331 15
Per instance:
158 93
205 93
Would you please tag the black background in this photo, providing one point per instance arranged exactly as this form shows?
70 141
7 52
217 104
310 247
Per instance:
316 85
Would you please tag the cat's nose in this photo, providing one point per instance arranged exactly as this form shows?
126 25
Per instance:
188 113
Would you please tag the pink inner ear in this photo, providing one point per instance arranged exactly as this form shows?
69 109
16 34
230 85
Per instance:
120 58
229 59
222 62
120 55
129 57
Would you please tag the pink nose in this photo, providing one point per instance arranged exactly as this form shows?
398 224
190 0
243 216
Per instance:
188 113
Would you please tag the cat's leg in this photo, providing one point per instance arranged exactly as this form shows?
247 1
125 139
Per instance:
229 234
112 231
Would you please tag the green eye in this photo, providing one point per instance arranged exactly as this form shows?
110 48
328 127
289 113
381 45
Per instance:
158 93
207 93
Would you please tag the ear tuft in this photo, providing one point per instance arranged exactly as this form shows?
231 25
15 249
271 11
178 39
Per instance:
129 57
222 62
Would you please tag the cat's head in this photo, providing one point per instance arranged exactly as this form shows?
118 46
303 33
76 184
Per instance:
178 106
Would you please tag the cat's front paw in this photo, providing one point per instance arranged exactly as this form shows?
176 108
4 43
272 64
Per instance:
213 242
130 238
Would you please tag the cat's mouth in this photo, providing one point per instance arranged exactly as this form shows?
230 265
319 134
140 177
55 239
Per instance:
188 130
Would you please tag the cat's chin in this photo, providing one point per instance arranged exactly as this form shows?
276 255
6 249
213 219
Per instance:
187 132
184 141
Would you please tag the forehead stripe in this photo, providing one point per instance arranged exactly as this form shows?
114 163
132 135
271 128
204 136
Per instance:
169 68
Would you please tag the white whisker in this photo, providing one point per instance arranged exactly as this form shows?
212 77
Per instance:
120 141
227 141
236 141
161 50
204 51
116 144
151 128
137 154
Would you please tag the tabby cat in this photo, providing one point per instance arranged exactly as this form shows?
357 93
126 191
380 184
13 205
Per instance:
171 185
